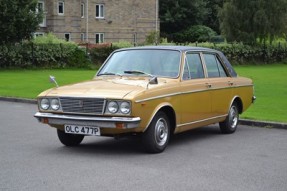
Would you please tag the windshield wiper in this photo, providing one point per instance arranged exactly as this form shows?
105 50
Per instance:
137 72
152 80
109 74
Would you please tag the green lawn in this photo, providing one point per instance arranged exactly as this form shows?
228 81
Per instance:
29 83
270 87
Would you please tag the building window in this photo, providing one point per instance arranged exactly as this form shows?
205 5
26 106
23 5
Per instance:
61 8
82 10
37 34
99 38
67 37
100 11
82 37
40 9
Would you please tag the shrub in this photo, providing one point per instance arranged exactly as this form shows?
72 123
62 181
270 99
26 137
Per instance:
100 54
153 38
197 33
43 52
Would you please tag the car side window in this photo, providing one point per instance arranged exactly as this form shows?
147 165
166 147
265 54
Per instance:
193 67
214 66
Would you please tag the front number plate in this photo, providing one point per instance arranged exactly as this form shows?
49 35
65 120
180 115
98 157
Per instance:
82 130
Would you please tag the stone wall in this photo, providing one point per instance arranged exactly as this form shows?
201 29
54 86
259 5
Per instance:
123 19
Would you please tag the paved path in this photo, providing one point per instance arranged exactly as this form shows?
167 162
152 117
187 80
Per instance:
32 158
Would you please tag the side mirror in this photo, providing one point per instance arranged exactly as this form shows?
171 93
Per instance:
153 80
53 80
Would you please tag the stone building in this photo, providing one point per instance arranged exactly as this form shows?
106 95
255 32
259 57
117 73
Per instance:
99 21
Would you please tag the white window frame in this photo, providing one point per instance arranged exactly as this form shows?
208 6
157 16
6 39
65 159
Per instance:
83 10
69 39
37 34
100 14
43 23
58 7
100 37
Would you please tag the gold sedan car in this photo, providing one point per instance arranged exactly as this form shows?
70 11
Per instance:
153 92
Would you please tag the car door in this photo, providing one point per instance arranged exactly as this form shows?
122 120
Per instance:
220 84
195 96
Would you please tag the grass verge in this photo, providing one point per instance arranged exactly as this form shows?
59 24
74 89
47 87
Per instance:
29 83
270 87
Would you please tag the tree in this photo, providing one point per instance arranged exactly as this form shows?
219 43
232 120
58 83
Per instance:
211 19
249 20
178 15
18 20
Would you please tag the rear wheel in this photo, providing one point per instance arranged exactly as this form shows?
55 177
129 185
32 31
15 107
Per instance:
69 139
156 137
229 125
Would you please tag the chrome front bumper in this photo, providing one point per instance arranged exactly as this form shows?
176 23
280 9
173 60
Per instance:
104 122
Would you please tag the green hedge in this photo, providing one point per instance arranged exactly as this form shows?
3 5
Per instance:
32 55
237 53
67 55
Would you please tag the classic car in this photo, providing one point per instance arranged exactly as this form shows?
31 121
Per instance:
152 92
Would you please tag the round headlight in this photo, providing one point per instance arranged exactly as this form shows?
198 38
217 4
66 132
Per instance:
44 104
125 107
113 107
55 104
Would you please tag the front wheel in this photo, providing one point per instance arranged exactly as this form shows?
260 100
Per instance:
156 137
229 125
69 139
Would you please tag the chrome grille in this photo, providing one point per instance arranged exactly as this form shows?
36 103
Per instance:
83 105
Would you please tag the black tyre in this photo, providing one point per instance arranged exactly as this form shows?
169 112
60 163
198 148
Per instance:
229 125
156 137
69 139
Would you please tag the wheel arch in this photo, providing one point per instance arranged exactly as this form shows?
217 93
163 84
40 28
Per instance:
169 111
238 102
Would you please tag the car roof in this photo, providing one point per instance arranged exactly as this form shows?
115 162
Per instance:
178 48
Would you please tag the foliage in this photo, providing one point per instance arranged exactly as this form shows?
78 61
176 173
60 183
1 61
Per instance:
100 54
246 21
50 38
153 38
122 44
239 53
211 20
178 15
196 33
43 52
18 20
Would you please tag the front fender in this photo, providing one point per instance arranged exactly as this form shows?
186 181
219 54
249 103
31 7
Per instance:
156 109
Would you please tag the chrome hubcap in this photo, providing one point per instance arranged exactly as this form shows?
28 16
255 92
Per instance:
161 132
233 117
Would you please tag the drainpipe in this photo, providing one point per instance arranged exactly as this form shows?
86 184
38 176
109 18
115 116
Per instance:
87 21
156 21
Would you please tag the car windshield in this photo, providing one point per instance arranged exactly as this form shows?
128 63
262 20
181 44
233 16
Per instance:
145 62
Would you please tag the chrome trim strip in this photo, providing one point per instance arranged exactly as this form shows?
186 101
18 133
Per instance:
193 122
188 92
158 97
106 122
